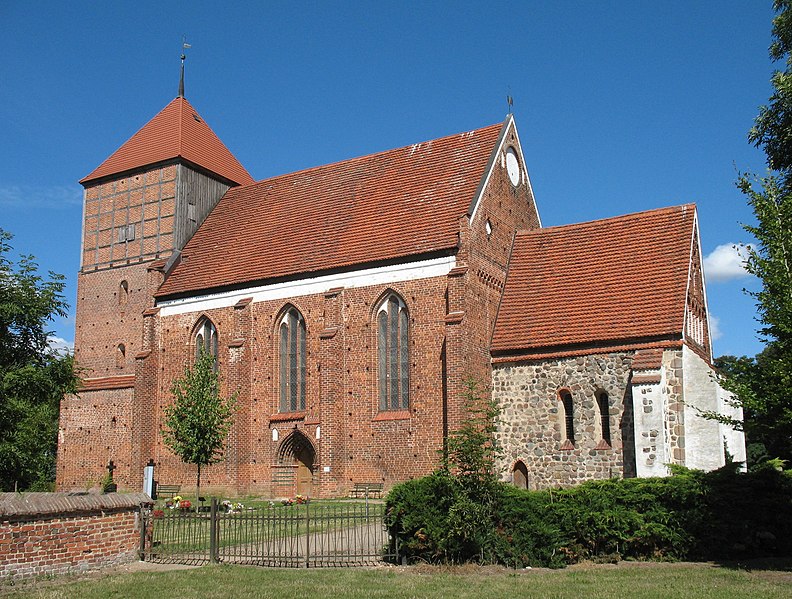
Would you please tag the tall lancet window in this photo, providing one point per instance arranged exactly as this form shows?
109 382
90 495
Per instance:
393 354
292 361
206 339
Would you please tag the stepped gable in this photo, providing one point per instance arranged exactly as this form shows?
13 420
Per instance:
616 283
178 131
391 205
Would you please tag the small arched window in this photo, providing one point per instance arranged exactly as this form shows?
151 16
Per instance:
604 411
123 293
120 355
292 361
569 416
393 354
206 339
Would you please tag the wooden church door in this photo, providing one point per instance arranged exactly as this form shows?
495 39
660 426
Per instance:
520 475
305 459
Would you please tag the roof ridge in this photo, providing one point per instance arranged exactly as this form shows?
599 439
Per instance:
181 125
369 156
409 199
627 216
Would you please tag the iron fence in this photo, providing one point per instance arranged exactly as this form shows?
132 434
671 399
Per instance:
302 535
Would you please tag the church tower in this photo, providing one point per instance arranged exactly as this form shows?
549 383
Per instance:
141 206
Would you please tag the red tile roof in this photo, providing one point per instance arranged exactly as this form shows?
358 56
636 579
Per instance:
393 204
648 359
608 282
177 131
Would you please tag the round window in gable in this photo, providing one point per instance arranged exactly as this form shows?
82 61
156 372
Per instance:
513 166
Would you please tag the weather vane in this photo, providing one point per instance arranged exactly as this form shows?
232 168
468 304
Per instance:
509 100
185 45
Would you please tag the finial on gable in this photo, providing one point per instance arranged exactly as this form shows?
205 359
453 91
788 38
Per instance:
510 100
185 45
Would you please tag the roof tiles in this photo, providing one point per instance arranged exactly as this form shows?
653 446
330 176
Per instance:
607 281
177 131
390 205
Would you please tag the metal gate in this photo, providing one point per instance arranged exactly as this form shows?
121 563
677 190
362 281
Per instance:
306 535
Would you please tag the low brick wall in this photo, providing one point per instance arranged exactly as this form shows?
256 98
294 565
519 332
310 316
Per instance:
48 533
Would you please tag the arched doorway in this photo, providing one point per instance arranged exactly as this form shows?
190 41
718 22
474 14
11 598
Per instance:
520 475
298 452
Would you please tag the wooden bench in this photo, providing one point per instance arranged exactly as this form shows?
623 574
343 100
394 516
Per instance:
171 490
366 490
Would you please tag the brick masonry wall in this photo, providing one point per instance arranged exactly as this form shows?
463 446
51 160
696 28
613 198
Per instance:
96 427
451 321
355 440
106 319
53 533
485 246
531 423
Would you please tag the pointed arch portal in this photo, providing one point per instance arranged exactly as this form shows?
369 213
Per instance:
298 452
520 475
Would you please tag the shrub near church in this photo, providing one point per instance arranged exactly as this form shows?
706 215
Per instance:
692 515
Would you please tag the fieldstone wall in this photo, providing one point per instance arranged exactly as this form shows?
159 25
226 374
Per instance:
531 422
675 406
652 449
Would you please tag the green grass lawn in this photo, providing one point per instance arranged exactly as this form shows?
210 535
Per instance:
634 580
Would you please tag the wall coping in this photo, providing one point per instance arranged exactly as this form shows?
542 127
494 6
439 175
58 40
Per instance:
17 505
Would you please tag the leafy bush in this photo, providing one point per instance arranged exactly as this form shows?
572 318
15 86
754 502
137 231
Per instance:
723 514
417 514
526 536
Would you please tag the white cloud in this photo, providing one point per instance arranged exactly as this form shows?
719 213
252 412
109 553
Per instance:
726 262
53 196
60 345
714 326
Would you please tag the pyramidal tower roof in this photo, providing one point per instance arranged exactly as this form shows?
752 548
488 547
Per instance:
178 131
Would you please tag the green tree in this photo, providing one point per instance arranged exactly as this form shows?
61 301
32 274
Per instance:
472 450
199 420
33 377
772 130
761 385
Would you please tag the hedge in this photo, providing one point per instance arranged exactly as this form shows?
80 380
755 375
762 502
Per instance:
692 515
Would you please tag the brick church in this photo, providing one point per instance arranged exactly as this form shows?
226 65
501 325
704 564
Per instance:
348 303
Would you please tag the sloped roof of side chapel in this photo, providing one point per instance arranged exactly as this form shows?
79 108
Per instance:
614 283
177 131
396 204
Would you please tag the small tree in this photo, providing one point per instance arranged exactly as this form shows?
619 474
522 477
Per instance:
472 453
198 421
472 450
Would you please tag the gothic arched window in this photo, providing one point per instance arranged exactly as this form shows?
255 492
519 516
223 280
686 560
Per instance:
206 339
393 354
292 361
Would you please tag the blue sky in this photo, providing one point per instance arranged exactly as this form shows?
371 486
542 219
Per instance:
621 106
